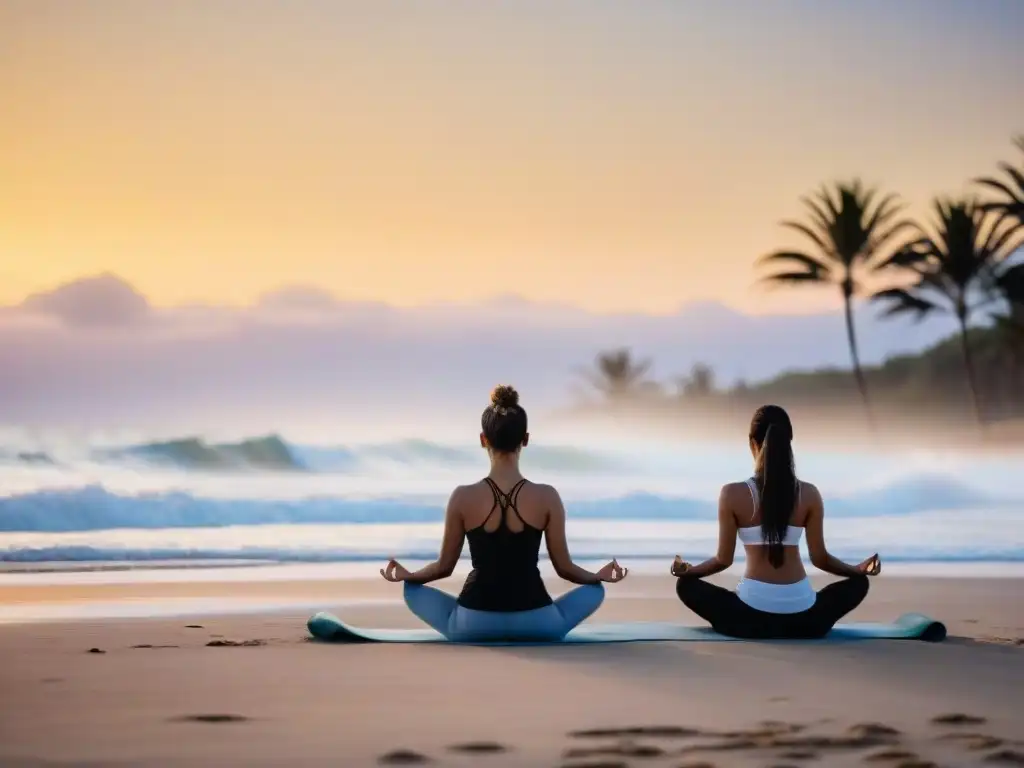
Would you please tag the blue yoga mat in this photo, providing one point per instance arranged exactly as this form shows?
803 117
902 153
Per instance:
909 626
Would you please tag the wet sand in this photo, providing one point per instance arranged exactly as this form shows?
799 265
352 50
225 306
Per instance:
253 690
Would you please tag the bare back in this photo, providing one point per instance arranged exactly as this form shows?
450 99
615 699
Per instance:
477 507
747 518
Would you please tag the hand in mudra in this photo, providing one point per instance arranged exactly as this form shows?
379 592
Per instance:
394 571
612 572
679 567
872 566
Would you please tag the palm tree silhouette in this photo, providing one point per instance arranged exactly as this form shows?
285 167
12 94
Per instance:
699 383
617 374
1011 191
956 269
849 233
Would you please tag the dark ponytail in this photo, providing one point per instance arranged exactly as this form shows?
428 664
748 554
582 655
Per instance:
772 432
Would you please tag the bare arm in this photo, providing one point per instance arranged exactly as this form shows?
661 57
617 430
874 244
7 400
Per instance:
815 529
558 547
451 545
726 540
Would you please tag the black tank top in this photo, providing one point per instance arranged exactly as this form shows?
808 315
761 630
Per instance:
505 576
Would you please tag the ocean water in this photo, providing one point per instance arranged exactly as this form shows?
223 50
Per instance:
198 502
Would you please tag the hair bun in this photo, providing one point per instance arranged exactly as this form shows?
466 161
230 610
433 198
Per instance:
504 396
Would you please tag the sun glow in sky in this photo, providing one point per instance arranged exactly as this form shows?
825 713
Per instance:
611 155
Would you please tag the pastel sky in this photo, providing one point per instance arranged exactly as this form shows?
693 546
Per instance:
611 155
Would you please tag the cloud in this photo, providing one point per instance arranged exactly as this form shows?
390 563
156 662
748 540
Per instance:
300 297
371 362
102 301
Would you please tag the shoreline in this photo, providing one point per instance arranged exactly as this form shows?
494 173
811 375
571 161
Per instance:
29 598
45 572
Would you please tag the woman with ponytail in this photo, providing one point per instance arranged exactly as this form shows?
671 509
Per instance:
770 513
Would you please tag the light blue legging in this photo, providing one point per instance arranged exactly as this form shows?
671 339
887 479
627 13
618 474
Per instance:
552 622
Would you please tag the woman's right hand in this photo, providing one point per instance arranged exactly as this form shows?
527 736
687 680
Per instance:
612 572
872 566
679 567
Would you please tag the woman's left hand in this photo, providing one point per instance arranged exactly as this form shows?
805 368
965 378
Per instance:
394 571
679 567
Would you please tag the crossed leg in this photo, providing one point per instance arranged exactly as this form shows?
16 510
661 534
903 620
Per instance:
432 605
728 615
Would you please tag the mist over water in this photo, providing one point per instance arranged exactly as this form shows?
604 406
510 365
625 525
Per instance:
267 497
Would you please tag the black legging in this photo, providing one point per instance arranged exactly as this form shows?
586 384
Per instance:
728 615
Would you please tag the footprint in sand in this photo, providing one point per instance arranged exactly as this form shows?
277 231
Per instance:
1005 757
624 749
698 765
213 718
916 763
147 645
872 730
891 756
799 755
403 757
957 718
654 731
780 726
479 748
856 741
600 764
768 730
729 745
234 643
193 626
972 741
95 650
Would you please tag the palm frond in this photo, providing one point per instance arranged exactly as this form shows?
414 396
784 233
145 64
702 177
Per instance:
883 212
792 277
902 301
812 265
810 234
998 186
912 256
818 214
1010 283
1010 189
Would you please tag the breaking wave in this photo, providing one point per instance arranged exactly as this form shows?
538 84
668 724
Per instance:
93 507
272 453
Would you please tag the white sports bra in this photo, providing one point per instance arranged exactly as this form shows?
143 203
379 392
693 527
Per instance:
751 536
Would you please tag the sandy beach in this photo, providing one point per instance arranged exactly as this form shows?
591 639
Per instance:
251 689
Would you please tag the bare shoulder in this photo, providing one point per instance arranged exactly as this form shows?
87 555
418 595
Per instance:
809 491
543 496
465 493
810 496
543 491
731 492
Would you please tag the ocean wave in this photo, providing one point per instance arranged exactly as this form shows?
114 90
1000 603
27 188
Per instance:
589 539
273 453
31 458
94 507
269 452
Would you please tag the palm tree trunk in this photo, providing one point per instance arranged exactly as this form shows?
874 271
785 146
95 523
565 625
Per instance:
858 373
965 347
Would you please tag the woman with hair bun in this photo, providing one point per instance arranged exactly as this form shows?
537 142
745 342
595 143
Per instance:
504 517
770 513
